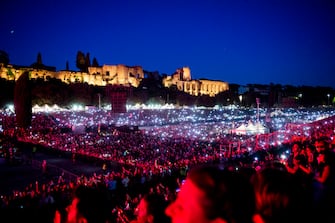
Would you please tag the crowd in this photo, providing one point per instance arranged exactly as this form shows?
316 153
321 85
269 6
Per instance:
186 179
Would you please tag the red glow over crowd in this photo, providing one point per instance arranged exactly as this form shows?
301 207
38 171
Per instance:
188 170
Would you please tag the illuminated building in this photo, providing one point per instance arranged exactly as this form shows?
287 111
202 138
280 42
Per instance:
183 81
120 75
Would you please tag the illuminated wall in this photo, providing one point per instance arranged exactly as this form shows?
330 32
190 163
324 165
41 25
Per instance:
182 79
122 75
100 76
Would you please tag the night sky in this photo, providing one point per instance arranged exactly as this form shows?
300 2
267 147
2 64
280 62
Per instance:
238 41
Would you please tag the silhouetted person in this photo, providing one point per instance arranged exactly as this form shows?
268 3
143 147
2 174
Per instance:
210 195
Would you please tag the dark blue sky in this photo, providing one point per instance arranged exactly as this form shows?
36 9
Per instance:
238 41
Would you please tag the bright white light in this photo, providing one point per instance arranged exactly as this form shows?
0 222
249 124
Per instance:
77 107
10 107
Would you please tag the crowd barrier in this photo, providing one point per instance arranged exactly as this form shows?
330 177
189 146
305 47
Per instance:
53 170
291 132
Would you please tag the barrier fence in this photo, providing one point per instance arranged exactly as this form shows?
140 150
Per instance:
53 170
291 132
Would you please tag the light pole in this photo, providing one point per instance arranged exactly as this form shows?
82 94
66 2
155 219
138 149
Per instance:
241 98
99 102
328 96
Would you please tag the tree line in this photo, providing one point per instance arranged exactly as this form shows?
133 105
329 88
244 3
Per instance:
83 61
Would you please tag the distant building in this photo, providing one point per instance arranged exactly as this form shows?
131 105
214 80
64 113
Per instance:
183 81
119 75
100 76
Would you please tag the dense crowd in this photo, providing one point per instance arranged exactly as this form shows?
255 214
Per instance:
159 164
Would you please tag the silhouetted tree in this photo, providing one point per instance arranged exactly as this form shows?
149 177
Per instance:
95 62
4 58
222 98
183 98
39 59
7 91
228 97
80 61
52 91
274 94
22 101
67 66
38 64
205 100
80 93
87 61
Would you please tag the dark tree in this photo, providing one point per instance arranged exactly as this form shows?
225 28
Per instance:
52 91
95 62
80 62
4 58
183 98
205 100
38 64
80 93
67 66
22 101
39 59
87 61
7 91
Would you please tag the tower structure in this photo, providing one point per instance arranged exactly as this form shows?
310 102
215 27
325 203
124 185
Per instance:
118 95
